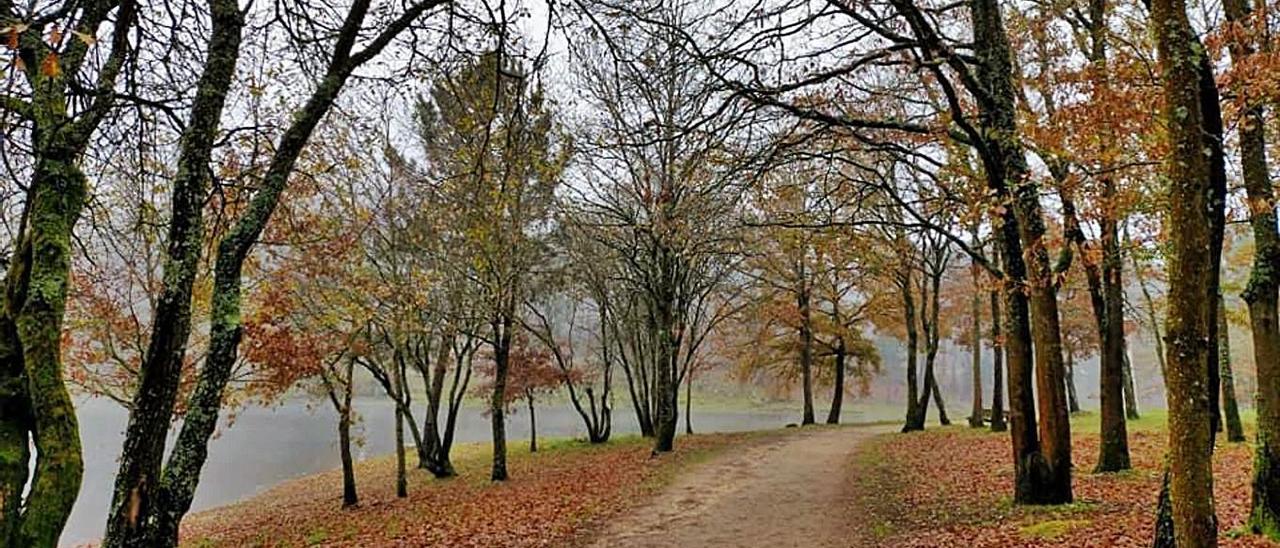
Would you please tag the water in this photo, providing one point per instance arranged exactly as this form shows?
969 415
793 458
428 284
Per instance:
265 446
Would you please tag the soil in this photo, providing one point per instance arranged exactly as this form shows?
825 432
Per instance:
789 491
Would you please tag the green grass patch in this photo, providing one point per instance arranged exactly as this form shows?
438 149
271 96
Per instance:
1052 529
318 536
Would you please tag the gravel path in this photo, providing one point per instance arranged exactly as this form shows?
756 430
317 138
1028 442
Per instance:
786 492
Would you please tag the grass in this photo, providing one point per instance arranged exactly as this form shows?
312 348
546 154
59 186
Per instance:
1053 529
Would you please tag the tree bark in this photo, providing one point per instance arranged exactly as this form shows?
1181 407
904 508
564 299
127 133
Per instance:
181 473
1230 407
915 418
1113 451
1043 456
498 399
533 426
1073 403
402 482
975 311
1193 191
1130 394
806 346
837 395
688 403
997 365
349 496
667 330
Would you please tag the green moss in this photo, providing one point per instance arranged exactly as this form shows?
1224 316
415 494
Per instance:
1052 529
317 536
881 529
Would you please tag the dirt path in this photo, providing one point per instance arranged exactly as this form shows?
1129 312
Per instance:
786 492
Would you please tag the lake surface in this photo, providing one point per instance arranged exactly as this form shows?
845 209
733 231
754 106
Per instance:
265 446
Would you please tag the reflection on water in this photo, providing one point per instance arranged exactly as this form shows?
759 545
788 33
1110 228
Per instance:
268 445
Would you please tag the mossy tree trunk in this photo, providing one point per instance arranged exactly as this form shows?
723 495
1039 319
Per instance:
1261 293
1042 456
1044 476
62 109
161 369
1195 189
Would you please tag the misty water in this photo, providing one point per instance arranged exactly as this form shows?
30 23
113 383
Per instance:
265 446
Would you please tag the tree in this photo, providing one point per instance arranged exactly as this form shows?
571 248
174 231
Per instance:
1192 123
661 185
163 500
1261 292
531 373
491 138
61 88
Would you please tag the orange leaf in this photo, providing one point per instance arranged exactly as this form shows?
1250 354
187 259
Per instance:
49 67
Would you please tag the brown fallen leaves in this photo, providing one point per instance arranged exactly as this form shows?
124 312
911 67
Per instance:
554 496
951 487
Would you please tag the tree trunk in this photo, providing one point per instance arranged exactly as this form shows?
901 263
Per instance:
60 119
688 403
837 395
15 428
35 303
533 426
1113 452
915 416
1073 403
349 496
161 370
806 348
498 400
1230 407
402 483
1261 296
997 365
1193 192
1043 456
975 310
666 385
932 334
1130 394
932 380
